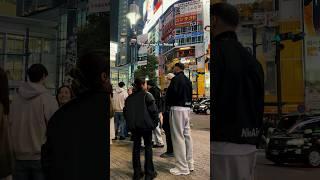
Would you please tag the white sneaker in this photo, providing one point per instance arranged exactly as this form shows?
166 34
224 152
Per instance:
191 167
177 172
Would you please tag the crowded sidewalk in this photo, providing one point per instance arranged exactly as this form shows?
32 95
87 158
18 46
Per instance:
121 155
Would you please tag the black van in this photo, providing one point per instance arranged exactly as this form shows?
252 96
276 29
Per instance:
300 143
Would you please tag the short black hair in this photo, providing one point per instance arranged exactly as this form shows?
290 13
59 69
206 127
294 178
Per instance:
36 72
121 84
91 65
138 82
179 65
151 83
228 13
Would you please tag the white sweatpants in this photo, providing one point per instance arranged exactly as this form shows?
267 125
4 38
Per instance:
231 167
181 137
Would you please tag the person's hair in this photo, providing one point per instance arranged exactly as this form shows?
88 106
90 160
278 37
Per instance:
59 90
91 65
151 83
121 84
228 13
138 82
4 91
36 72
179 65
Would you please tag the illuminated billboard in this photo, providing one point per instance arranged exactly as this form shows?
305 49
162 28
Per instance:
152 11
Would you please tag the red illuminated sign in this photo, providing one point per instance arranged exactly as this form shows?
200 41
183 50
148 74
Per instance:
186 19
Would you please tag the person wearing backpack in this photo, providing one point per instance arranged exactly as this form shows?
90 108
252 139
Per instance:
238 99
142 117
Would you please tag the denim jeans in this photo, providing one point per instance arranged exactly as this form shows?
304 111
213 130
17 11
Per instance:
28 170
120 123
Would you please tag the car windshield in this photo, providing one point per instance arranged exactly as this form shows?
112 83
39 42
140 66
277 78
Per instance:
295 127
203 101
287 122
300 126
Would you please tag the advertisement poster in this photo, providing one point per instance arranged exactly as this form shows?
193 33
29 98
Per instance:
312 56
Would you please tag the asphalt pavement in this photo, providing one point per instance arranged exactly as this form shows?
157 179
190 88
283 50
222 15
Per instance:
121 164
267 170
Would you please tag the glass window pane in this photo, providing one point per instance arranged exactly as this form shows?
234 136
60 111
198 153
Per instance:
14 67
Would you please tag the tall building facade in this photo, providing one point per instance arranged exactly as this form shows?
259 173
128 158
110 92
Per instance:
123 29
127 34
176 31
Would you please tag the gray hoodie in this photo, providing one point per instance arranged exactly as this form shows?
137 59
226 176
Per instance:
30 111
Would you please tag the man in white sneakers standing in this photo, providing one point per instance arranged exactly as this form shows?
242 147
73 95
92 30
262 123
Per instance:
179 96
30 112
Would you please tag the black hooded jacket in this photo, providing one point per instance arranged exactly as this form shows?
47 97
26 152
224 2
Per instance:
237 91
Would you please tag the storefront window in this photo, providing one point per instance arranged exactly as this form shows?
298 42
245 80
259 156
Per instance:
14 64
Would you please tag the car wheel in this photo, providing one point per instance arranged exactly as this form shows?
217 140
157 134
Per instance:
208 111
314 158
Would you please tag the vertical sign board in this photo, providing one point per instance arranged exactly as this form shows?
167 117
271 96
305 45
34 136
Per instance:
96 6
312 56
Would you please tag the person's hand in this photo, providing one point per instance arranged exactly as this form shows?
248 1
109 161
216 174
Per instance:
161 118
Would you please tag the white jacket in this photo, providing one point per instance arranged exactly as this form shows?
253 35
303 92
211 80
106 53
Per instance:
30 112
119 97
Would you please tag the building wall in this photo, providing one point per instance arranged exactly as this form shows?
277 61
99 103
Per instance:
7 8
42 46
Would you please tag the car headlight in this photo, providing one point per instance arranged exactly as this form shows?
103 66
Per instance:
296 142
202 106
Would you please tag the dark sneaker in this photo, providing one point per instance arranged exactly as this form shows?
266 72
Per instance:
167 155
158 146
138 176
148 177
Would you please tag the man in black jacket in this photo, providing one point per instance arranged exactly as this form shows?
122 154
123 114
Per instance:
142 117
155 91
77 146
179 97
238 99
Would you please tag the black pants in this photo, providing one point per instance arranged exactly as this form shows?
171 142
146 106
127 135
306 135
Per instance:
166 128
148 165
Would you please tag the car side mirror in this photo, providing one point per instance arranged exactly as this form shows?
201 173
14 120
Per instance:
308 131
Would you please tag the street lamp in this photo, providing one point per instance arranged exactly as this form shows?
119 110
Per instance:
133 16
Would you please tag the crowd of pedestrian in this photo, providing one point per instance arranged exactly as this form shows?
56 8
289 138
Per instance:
149 111
43 137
